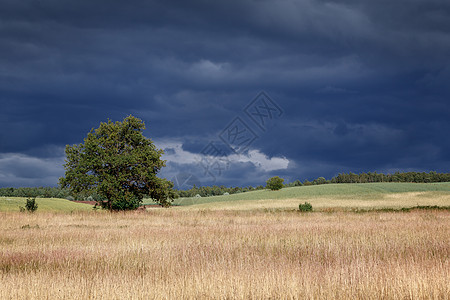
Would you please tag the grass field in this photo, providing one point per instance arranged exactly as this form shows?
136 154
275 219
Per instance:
44 204
366 195
239 246
350 202
371 195
187 254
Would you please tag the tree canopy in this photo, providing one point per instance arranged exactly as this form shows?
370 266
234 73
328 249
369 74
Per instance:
117 162
274 183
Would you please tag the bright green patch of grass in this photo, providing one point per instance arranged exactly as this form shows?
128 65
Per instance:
44 204
361 191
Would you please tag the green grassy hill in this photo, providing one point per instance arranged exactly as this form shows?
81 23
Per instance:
366 195
332 195
44 204
313 191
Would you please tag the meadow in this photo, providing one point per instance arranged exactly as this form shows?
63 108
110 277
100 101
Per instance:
365 195
234 252
180 254
44 204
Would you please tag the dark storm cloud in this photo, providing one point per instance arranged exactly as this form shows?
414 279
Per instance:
363 84
18 170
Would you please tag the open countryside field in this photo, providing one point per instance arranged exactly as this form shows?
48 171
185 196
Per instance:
366 196
234 248
44 204
187 254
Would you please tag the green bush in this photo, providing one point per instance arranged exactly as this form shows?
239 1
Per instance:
305 207
274 183
31 205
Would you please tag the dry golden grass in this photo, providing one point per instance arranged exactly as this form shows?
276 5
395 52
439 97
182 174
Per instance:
186 254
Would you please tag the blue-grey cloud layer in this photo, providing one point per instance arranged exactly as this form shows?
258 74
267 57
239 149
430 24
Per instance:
363 84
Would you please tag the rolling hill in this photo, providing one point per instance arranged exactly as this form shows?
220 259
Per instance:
44 204
331 195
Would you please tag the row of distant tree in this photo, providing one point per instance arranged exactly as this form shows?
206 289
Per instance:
204 191
215 190
43 192
417 177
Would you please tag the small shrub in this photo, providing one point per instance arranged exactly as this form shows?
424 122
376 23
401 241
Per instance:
70 198
305 207
31 205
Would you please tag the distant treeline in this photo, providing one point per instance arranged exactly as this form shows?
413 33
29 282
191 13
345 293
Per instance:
204 191
419 177
215 190
43 192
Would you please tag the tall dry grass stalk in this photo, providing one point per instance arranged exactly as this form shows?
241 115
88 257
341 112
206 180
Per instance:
177 254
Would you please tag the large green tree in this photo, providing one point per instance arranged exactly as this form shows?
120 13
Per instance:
118 163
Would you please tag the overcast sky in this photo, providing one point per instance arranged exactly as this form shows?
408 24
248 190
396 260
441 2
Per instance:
234 91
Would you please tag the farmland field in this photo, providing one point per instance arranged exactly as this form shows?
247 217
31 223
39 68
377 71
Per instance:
366 195
44 204
187 254
236 249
